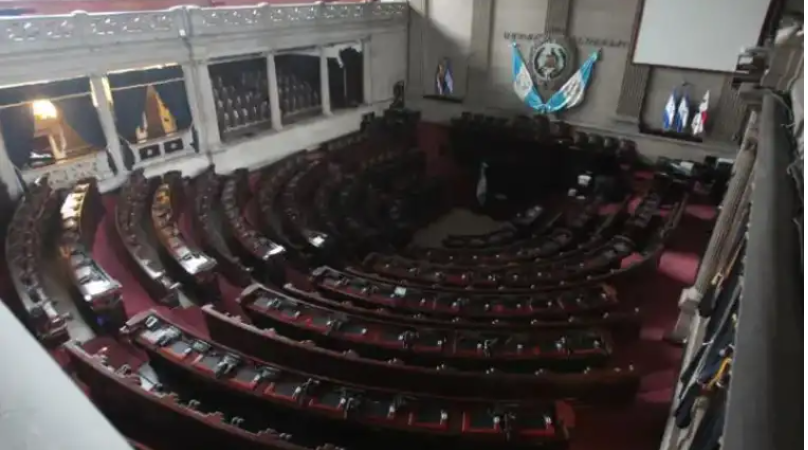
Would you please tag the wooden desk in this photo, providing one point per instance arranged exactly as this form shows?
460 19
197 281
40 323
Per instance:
209 226
93 290
120 394
263 254
332 405
138 240
195 269
26 238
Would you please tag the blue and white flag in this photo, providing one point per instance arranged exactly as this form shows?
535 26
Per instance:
444 82
448 79
669 117
572 92
522 82
482 185
700 118
682 114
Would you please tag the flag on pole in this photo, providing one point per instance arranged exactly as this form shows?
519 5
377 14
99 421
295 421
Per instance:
682 114
444 82
669 117
700 118
482 185
572 92
522 82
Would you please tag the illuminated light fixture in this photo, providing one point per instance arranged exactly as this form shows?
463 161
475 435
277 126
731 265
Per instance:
44 109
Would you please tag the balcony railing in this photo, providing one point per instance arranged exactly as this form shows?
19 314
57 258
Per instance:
44 33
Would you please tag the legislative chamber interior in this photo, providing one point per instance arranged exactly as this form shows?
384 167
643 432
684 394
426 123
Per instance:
432 224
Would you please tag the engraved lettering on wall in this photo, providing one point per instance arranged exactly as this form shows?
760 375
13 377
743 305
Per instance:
580 40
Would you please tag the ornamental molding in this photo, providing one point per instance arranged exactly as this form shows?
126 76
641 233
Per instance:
80 29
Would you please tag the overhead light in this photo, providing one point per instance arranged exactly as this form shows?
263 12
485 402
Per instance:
44 109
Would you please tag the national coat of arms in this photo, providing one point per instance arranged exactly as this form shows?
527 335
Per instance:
552 62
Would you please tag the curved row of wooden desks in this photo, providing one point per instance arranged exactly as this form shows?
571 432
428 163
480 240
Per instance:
344 335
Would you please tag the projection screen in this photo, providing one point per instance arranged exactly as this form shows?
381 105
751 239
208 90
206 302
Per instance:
698 34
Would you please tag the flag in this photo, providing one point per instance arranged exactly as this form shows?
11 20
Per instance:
700 119
444 82
669 117
572 92
449 80
482 185
522 82
682 119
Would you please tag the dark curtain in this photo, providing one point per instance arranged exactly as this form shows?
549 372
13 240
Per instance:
128 101
128 154
54 89
79 113
336 84
195 141
129 95
17 124
143 77
175 98
129 105
354 75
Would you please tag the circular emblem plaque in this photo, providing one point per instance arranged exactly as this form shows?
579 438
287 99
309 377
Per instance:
549 61
552 62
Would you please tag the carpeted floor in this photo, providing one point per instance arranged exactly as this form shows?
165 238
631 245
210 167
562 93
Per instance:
640 425
637 426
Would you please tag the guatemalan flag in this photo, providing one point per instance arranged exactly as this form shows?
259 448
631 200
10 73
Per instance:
482 185
444 81
669 116
523 83
682 114
572 92
700 119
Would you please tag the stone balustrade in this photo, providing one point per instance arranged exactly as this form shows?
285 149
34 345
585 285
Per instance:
82 30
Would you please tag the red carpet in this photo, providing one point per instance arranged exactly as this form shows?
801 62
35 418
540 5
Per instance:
640 425
637 426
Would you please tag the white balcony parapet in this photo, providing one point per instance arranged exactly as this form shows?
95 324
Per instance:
42 33
80 29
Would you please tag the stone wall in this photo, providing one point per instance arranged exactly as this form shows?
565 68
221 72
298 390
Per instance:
476 35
